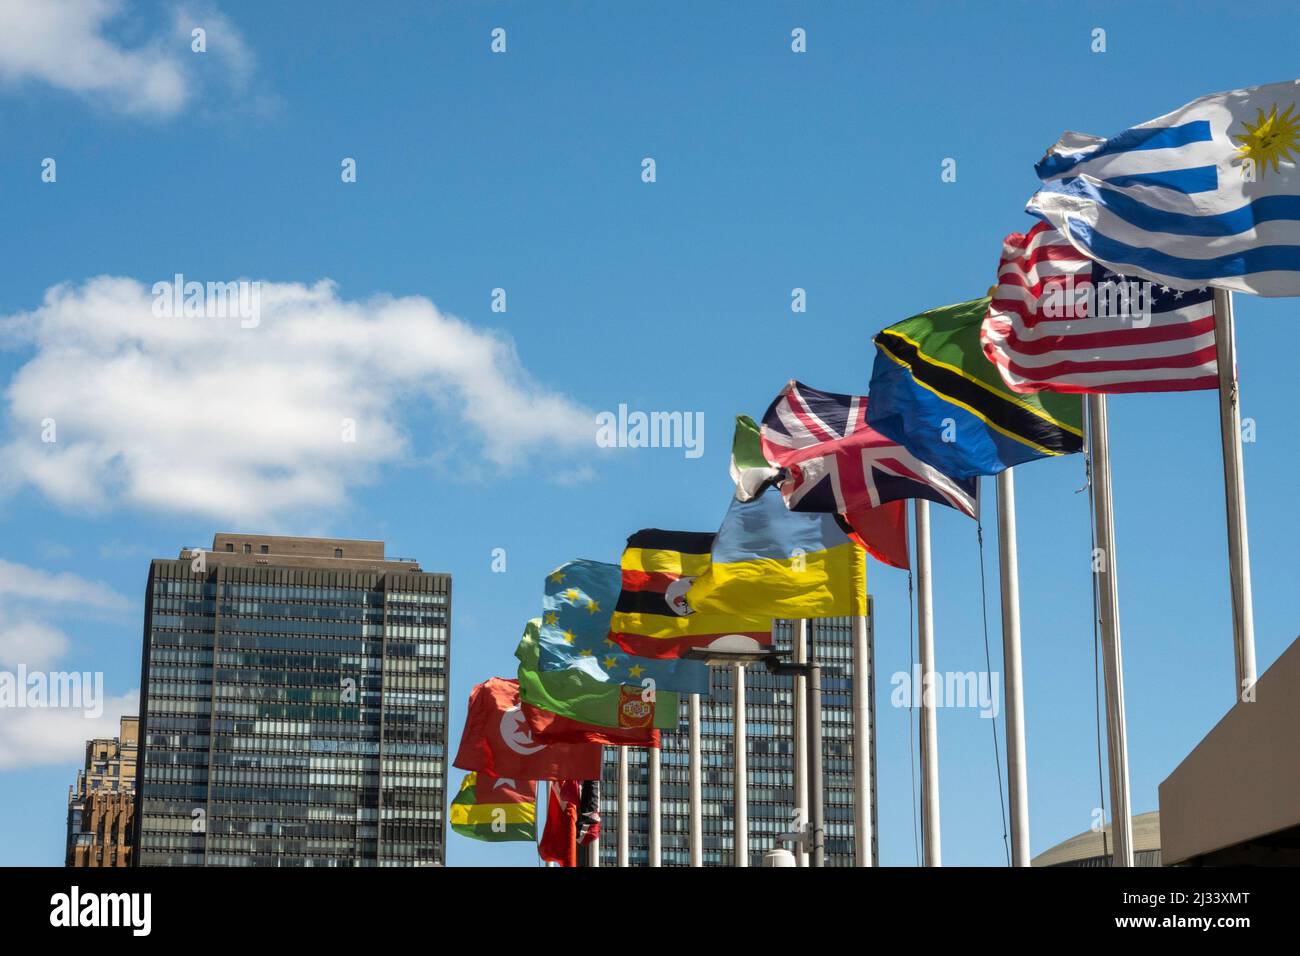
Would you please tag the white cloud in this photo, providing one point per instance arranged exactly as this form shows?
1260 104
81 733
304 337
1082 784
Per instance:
18 581
67 44
30 643
202 416
57 735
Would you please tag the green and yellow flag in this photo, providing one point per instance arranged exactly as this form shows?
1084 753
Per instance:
496 809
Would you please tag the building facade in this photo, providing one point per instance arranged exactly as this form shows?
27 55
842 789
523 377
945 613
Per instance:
101 806
293 706
769 713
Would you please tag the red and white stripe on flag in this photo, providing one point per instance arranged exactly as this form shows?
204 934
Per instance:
1047 328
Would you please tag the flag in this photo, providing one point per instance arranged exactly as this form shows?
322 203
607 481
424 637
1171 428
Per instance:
1206 195
589 812
934 392
1060 322
559 843
625 712
749 469
881 530
652 618
496 740
496 809
790 564
836 462
578 604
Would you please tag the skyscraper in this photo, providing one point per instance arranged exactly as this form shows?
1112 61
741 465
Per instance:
769 713
101 805
293 706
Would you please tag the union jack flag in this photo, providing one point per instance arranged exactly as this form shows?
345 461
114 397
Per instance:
835 462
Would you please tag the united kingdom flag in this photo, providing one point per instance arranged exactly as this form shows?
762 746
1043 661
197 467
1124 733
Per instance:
834 462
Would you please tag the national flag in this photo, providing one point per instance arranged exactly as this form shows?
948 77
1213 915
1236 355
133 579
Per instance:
626 713
881 530
1206 195
773 561
559 843
578 605
652 618
934 392
496 740
1060 322
495 809
589 812
836 462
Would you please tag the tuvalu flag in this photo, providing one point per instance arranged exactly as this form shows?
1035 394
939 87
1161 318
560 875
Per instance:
625 713
495 809
652 617
496 740
935 392
789 564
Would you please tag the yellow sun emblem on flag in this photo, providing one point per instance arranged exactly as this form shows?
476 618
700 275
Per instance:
1272 138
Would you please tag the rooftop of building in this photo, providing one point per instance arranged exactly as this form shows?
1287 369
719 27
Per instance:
273 550
1089 844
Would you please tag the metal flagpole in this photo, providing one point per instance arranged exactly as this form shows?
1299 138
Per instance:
816 805
740 779
652 757
697 808
862 805
799 655
1017 772
1234 487
1104 566
622 806
929 727
543 794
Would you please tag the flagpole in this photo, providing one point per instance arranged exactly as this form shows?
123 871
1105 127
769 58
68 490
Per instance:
1234 487
652 756
740 776
816 777
622 806
862 796
799 655
542 801
697 802
929 727
1105 566
1017 771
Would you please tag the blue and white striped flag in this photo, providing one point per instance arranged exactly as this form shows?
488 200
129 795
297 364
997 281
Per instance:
1206 195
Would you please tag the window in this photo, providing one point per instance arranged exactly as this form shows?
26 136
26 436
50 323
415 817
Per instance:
230 546
338 552
248 549
266 549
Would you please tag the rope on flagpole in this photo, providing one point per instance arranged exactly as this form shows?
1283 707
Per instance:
1096 618
911 707
988 669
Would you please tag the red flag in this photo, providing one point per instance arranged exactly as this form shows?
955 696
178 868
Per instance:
883 532
549 728
497 740
559 842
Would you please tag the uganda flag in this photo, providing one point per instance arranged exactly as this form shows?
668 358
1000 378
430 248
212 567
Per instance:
652 618
496 809
935 392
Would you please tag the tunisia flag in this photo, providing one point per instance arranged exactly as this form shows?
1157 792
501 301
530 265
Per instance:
882 531
497 741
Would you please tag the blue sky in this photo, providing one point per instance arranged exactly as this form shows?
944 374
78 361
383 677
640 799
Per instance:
522 171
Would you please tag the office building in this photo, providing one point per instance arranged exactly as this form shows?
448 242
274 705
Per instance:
101 805
769 712
293 706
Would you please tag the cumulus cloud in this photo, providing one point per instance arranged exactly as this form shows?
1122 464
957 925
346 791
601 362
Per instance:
244 420
20 582
30 643
33 736
68 44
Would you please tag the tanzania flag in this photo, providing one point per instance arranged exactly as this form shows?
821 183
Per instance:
652 618
495 809
934 392
575 635
625 711
789 564
750 470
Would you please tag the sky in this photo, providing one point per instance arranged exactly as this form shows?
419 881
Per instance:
523 171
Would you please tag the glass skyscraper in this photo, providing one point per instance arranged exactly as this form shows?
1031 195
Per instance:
769 713
294 706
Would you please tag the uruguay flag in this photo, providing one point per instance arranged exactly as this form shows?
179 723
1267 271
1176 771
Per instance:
1208 195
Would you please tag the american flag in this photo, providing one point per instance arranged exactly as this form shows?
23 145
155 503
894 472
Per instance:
835 462
1053 324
